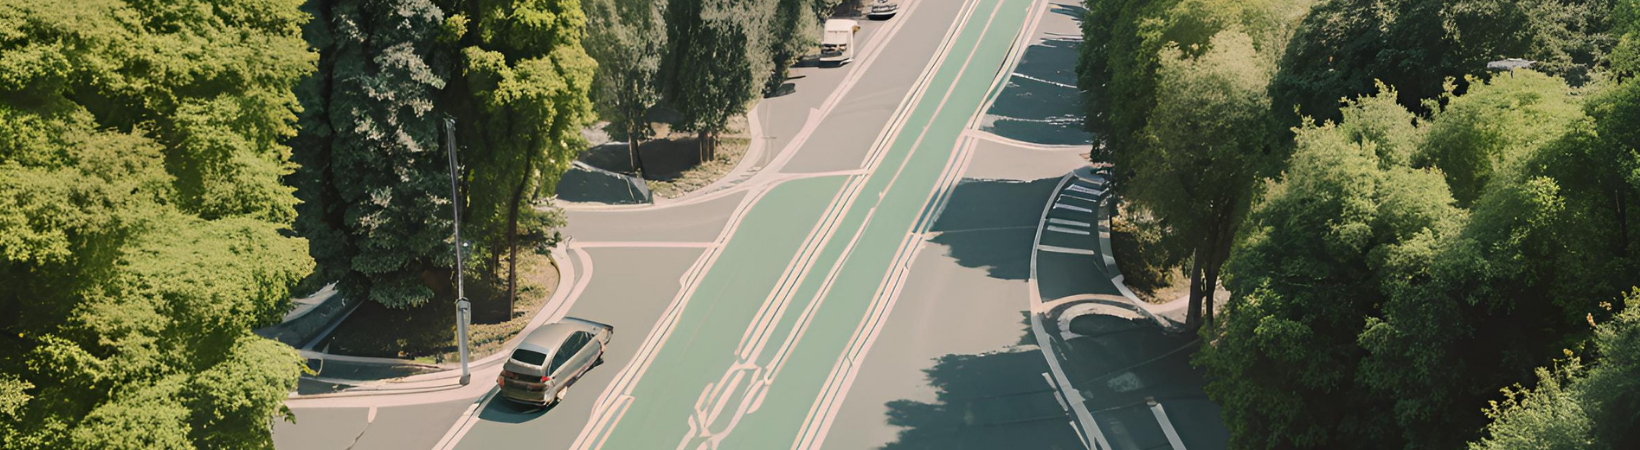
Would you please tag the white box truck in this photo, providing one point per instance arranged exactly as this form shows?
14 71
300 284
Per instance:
837 44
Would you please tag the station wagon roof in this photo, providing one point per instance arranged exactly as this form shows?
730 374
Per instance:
547 338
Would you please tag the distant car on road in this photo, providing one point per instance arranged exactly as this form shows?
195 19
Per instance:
551 359
883 9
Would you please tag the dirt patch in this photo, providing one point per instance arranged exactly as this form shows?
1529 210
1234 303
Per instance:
427 333
672 159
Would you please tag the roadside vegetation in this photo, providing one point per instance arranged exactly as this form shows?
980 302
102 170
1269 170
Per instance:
144 225
672 165
170 170
425 334
1440 260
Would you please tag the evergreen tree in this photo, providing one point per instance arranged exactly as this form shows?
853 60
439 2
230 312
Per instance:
374 180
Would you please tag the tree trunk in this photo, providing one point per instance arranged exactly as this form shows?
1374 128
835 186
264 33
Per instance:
1222 238
512 233
1623 221
700 145
1210 276
1193 316
632 145
495 266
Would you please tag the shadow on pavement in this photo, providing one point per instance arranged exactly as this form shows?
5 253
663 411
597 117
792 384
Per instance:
1041 103
986 224
987 401
584 183
1074 11
1118 363
507 411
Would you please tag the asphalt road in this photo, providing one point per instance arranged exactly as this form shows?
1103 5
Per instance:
631 305
866 288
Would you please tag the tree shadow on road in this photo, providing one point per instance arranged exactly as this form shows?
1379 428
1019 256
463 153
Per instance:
985 401
992 223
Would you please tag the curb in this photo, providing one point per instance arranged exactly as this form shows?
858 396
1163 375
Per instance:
452 371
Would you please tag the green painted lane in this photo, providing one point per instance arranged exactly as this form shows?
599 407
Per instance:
781 416
670 402
711 325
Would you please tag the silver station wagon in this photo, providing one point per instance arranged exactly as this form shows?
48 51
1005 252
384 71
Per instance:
551 359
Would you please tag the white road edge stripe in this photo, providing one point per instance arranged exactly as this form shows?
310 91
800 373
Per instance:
1089 426
1167 427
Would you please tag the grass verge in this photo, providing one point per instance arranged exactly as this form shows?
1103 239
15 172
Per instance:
427 333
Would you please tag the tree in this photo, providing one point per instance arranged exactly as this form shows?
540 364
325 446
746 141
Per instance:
1119 57
1398 303
1204 149
718 63
373 177
1495 124
627 38
1575 406
1343 46
144 229
793 31
1308 271
528 79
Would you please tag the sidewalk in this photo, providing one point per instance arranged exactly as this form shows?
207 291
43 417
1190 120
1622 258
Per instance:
351 381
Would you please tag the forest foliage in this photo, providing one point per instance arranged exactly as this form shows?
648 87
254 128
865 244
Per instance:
144 225
1422 253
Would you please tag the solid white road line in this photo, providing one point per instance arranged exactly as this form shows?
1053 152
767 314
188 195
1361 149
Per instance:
1045 342
616 399
464 423
758 334
1167 426
1067 194
1076 187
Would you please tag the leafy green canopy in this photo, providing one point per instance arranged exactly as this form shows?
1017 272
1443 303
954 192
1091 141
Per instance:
1177 99
1312 265
1123 41
527 79
628 40
718 62
1577 407
143 225
1343 46
1395 308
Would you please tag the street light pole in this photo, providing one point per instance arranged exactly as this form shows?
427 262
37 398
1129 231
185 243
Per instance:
464 308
